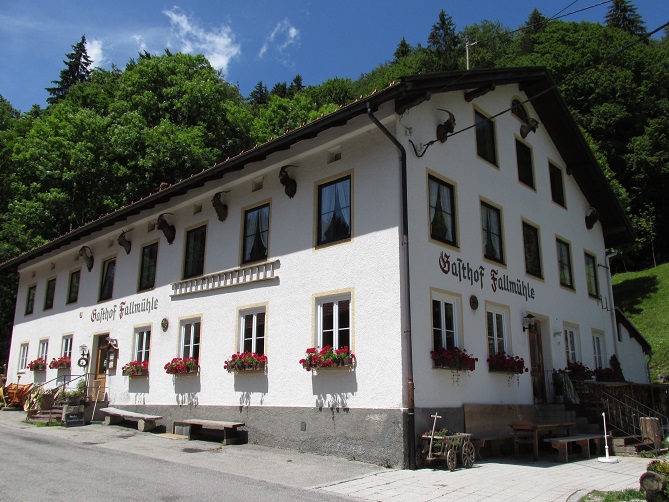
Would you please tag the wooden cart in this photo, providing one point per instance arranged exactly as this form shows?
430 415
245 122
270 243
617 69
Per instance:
449 448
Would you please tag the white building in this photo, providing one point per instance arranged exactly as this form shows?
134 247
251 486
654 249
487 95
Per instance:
440 211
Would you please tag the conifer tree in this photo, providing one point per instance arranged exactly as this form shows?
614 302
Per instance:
622 14
76 70
444 42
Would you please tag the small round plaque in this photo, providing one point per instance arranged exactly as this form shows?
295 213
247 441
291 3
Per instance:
473 302
164 324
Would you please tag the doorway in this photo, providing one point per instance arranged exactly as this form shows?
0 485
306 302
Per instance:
98 389
537 364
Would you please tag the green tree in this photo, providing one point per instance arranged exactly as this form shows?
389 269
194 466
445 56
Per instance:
622 14
491 44
535 23
76 70
403 49
445 42
259 94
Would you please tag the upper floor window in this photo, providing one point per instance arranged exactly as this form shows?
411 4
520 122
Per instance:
147 267
66 346
50 293
43 349
485 138
334 211
196 240
23 357
256 234
442 211
30 300
591 275
491 226
518 110
557 185
190 339
445 325
334 322
532 250
496 331
252 336
564 264
107 283
142 344
524 160
73 286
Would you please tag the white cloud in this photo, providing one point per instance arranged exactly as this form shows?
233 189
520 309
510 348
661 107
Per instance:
280 40
95 52
217 45
140 41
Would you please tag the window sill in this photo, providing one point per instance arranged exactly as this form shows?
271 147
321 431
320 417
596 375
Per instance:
247 274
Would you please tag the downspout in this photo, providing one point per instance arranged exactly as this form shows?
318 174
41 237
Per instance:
406 305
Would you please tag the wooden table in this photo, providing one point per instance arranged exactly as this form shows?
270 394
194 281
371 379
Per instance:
536 429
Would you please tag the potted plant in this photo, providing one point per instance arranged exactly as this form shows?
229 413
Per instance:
72 397
38 364
245 361
136 368
454 359
327 357
63 362
579 371
506 363
180 365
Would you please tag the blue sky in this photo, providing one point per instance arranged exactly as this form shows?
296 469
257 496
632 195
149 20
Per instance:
248 40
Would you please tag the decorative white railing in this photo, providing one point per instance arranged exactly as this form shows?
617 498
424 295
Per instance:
228 278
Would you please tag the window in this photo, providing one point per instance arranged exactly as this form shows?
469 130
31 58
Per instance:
495 320
66 346
256 233
147 267
107 283
196 240
334 211
142 344
334 322
30 300
49 294
252 336
491 225
190 339
23 357
557 187
598 349
73 287
571 344
485 138
442 211
43 349
524 159
591 275
445 322
518 110
532 250
564 264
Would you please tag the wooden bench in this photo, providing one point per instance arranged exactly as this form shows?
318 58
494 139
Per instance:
561 444
487 423
145 423
192 425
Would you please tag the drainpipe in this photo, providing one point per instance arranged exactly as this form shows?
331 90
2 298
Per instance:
406 305
616 348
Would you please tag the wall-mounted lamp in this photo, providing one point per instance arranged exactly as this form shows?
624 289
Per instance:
124 242
87 254
556 334
83 350
591 218
167 229
528 322
531 126
289 184
219 206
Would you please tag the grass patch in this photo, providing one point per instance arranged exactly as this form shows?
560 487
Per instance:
644 298
50 423
628 495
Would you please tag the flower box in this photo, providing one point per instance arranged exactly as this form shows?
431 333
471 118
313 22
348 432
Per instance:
506 363
136 369
245 361
454 359
38 364
178 366
327 357
61 363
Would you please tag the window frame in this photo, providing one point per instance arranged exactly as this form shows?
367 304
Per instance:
518 110
30 299
253 313
107 279
336 300
73 296
247 215
66 344
485 233
572 343
598 349
23 356
591 275
451 216
49 293
534 273
493 337
525 171
345 237
484 135
556 178
191 269
147 270
142 343
567 266
440 337
194 336
43 349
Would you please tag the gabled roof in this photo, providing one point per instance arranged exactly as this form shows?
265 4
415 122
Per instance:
633 331
536 82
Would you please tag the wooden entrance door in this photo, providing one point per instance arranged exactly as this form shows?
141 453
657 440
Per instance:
537 364
99 370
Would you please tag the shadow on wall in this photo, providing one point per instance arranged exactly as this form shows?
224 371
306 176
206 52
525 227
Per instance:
333 388
249 384
138 385
186 388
